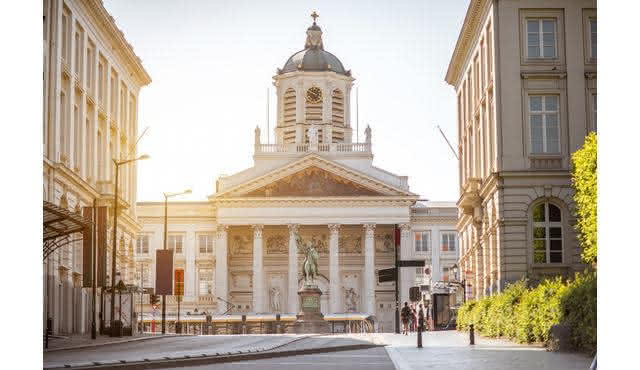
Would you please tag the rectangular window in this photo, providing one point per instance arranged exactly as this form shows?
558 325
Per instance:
544 124
142 244
65 42
175 242
593 25
448 241
206 281
423 241
205 244
541 38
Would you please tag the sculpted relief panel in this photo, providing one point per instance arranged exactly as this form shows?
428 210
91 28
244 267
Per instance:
240 241
318 236
384 242
312 181
277 244
350 240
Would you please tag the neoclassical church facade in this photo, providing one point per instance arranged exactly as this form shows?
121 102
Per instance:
238 248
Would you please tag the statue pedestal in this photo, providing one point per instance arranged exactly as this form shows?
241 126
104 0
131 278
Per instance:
310 318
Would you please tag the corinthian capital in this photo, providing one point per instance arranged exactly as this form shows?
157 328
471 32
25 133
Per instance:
222 230
369 229
405 229
334 228
257 230
293 228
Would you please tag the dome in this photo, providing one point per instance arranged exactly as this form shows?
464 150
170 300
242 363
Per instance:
313 58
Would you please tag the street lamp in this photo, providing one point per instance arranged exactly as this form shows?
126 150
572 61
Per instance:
463 283
164 297
115 229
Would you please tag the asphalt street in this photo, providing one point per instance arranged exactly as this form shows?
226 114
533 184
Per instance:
369 359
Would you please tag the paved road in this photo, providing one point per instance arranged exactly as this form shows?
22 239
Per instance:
161 347
451 350
364 359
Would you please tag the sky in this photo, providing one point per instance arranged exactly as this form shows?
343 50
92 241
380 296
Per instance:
212 64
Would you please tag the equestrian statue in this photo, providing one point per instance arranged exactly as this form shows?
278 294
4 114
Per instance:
310 264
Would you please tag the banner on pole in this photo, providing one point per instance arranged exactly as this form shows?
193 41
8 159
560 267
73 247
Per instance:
164 271
87 249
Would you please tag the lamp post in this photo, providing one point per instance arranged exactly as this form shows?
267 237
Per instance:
164 297
115 229
463 283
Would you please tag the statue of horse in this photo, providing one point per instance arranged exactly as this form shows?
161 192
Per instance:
310 264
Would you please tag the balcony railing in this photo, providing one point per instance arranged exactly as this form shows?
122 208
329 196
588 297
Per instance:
307 148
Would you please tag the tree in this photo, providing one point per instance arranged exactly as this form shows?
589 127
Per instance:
585 183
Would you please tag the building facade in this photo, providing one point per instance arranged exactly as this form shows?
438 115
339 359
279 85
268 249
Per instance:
525 78
238 249
92 79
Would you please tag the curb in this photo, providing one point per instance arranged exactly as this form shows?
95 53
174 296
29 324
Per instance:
217 359
89 345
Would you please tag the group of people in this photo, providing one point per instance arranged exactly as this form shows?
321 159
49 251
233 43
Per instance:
413 319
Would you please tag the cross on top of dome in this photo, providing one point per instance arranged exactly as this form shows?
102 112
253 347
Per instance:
314 15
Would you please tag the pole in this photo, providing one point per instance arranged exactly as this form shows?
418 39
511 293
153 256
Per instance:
141 296
94 233
268 138
358 122
395 242
113 253
164 297
178 325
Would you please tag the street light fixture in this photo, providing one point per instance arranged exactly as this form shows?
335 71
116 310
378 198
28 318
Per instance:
463 283
115 230
164 297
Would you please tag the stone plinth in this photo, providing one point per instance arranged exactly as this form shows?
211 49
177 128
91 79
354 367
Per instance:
310 318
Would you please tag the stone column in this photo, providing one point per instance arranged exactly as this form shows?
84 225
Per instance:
405 252
258 270
292 298
221 268
190 248
334 270
369 274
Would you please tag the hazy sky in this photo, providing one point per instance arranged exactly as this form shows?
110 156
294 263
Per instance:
212 61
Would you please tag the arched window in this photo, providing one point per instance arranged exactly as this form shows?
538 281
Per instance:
547 233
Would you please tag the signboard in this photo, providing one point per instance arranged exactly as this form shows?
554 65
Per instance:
178 283
411 263
311 302
386 275
164 271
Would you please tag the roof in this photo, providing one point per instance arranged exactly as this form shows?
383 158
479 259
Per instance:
57 222
314 60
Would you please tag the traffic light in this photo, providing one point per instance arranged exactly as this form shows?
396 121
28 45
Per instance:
154 299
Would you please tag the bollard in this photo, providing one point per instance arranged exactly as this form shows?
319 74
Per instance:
420 336
471 336
244 324
278 323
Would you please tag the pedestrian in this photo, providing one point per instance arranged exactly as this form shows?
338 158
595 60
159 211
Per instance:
414 318
405 317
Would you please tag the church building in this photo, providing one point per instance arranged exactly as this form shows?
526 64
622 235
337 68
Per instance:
237 249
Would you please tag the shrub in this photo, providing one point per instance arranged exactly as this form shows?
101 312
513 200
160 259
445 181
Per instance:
527 314
585 182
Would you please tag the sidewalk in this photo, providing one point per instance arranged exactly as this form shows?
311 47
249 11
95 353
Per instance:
451 350
78 341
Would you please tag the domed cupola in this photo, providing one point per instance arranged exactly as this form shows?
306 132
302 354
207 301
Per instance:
313 58
313 90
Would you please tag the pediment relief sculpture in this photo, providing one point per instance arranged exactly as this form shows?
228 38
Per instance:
312 181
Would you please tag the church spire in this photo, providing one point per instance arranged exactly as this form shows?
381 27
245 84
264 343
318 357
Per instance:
314 34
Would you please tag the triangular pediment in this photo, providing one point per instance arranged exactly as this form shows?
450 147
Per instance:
313 176
313 182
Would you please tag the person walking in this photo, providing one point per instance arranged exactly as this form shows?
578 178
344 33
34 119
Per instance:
404 314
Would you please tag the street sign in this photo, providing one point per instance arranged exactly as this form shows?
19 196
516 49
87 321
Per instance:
386 275
178 283
411 263
164 269
414 293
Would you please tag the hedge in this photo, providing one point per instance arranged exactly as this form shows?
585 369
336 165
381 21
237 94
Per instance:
527 314
584 177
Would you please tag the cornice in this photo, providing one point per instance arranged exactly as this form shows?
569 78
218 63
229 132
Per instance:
546 75
465 39
102 17
254 202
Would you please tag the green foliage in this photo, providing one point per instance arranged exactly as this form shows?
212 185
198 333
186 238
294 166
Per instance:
527 314
585 183
579 310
